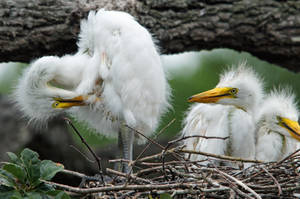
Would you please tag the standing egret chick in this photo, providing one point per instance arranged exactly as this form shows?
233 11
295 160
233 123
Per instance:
119 82
230 113
278 132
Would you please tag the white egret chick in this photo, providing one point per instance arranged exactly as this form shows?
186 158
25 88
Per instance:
230 113
36 89
278 132
119 80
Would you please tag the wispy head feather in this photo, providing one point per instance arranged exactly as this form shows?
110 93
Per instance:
282 102
249 83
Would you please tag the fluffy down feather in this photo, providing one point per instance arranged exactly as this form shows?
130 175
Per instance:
135 89
116 60
274 142
233 117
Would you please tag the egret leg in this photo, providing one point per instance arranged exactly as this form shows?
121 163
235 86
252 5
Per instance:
126 137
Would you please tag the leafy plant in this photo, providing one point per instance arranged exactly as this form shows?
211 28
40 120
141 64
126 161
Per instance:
22 177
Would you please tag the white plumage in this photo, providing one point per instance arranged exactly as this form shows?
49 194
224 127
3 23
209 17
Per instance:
277 129
236 99
116 77
34 94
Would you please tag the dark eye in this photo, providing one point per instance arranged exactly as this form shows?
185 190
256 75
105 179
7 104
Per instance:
278 118
234 91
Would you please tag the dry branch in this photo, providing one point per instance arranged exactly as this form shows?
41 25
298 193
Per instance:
224 157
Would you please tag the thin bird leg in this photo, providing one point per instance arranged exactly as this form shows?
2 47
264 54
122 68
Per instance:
126 138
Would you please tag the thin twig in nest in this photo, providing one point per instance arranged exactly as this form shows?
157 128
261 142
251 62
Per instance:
97 158
131 164
224 157
276 182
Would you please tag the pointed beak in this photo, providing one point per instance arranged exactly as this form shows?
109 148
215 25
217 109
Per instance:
293 127
68 103
212 96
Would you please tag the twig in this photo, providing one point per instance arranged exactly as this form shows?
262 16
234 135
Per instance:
288 157
89 148
81 153
148 170
126 176
224 157
232 186
240 183
150 140
183 138
74 173
171 162
148 145
197 136
159 133
155 156
274 179
121 187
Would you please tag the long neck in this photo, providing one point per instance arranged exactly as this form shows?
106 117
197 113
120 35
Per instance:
229 149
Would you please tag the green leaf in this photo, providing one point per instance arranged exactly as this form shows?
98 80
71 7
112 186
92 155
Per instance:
34 195
5 188
49 169
62 195
16 171
34 173
7 179
11 195
32 163
53 192
6 192
45 188
29 157
13 158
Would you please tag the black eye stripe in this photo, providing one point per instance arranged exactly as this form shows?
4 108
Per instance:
289 128
227 94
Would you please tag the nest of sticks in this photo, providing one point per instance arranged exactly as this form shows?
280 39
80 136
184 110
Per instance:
170 174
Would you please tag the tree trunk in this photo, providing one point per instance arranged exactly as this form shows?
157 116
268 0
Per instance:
268 29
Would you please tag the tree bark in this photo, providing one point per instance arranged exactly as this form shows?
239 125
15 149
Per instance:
268 29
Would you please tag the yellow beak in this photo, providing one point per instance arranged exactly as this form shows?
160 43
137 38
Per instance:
293 127
212 96
68 103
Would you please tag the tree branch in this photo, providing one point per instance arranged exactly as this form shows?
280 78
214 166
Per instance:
268 29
